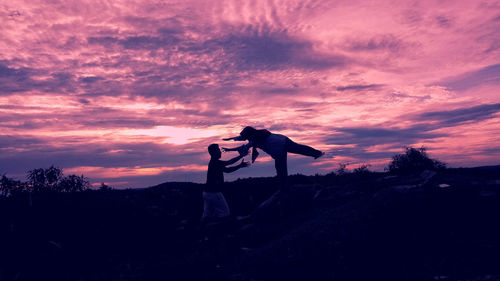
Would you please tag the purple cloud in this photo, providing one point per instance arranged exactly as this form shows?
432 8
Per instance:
484 76
460 115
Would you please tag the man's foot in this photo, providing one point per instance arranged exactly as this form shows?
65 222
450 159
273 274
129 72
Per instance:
319 155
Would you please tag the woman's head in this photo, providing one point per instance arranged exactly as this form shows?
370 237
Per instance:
252 134
248 133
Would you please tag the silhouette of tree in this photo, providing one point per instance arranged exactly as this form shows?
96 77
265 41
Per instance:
362 170
9 186
413 160
342 169
44 179
52 179
104 187
73 183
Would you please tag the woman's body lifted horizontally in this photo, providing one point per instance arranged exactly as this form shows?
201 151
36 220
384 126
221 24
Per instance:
276 145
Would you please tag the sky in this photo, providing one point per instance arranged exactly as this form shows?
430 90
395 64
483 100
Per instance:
131 93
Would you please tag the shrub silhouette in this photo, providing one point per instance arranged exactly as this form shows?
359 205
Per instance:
52 179
413 160
362 170
44 179
73 183
10 186
104 187
342 170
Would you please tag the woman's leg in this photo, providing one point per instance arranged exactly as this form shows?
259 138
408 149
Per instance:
281 168
282 171
296 148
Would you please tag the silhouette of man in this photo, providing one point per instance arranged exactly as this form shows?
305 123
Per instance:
215 205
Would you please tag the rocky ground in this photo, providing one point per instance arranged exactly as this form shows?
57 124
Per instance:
441 225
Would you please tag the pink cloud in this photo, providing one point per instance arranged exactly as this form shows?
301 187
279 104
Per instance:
91 84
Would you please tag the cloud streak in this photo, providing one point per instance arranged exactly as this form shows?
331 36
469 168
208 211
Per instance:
460 115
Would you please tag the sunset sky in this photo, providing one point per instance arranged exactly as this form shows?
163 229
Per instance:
130 93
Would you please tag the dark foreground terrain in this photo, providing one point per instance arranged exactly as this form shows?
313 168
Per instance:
355 226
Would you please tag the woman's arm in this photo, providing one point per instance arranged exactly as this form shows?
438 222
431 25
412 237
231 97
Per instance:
242 149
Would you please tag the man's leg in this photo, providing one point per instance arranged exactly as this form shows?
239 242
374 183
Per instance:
306 150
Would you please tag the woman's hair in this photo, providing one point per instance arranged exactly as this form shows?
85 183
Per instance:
253 134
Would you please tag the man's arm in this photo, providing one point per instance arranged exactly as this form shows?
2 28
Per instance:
232 161
234 168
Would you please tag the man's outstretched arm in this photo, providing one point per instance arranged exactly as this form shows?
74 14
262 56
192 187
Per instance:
226 149
234 168
232 161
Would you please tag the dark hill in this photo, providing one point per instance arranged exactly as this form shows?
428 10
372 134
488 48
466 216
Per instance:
357 226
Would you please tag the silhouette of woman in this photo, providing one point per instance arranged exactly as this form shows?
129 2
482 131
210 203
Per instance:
276 145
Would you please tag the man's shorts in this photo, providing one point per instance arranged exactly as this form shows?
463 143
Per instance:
215 205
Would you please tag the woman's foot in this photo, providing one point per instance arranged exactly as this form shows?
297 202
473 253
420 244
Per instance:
321 153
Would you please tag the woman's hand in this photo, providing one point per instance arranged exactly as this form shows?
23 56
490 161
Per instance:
242 150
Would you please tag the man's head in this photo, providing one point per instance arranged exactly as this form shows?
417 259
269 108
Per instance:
214 151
